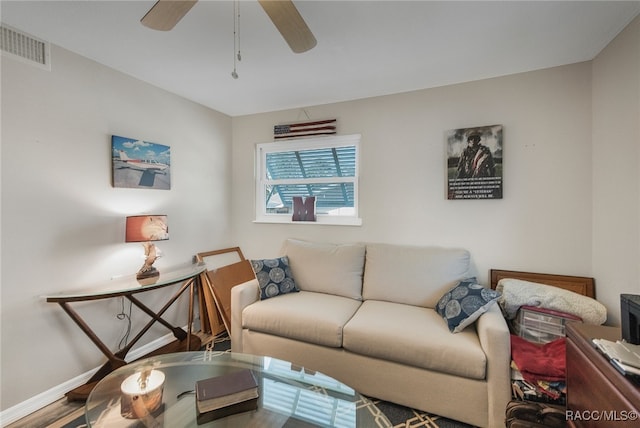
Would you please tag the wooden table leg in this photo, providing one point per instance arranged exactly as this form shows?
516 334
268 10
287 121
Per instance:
113 360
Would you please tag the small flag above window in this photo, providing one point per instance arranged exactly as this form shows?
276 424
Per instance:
305 129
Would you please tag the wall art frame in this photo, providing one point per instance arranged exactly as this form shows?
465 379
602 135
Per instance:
474 162
139 164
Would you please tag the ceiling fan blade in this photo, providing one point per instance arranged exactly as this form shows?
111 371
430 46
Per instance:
165 14
289 22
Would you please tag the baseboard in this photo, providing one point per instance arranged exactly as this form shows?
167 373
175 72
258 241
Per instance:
20 410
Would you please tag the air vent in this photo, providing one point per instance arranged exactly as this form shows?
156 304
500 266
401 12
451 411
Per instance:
24 46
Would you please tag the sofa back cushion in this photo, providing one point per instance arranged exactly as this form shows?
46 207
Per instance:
327 268
413 275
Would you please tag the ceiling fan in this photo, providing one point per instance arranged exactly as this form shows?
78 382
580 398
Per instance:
165 14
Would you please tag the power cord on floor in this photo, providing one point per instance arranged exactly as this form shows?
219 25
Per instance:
124 316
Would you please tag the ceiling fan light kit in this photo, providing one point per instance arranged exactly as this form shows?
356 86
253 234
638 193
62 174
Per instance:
165 14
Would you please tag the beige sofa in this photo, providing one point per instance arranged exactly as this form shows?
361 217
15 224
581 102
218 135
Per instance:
376 329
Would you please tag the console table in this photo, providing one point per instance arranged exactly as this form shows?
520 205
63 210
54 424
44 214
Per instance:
186 275
597 394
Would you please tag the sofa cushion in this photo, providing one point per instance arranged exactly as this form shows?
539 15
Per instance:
412 275
464 304
327 268
274 277
306 316
414 336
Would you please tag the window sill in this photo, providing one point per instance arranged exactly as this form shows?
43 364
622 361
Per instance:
321 221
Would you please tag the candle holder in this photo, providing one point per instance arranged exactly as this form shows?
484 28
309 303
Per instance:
141 394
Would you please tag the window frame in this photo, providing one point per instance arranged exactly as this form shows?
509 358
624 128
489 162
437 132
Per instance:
261 181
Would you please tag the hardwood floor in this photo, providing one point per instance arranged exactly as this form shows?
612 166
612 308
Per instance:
55 415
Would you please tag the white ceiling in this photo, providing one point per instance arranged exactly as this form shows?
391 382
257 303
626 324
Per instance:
365 48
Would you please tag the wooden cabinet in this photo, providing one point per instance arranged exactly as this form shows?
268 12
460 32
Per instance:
597 394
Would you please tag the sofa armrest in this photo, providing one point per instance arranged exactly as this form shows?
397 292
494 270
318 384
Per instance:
495 340
242 295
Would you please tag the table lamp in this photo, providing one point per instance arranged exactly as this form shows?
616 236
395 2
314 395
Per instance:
147 228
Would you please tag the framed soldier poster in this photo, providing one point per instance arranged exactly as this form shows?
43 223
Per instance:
474 162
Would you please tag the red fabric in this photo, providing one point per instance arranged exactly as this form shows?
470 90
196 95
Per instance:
539 362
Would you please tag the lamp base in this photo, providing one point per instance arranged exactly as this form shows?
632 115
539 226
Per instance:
150 255
147 272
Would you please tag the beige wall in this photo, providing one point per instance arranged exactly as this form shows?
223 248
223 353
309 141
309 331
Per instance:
542 224
63 223
616 171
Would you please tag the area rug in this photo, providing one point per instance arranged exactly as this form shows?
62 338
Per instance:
399 416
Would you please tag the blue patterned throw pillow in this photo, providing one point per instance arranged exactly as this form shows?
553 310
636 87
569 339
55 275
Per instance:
274 277
463 304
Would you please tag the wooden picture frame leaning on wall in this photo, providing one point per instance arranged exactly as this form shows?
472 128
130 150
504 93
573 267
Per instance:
226 268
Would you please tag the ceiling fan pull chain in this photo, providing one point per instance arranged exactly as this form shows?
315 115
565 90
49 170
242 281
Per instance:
239 56
236 37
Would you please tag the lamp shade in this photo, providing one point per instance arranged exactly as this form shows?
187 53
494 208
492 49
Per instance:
144 228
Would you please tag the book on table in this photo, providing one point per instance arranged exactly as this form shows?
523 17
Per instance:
241 407
226 390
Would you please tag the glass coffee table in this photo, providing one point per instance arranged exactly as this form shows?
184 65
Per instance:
289 396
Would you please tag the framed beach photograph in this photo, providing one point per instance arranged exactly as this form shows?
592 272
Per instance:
474 162
140 164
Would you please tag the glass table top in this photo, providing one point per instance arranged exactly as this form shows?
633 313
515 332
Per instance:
129 283
289 396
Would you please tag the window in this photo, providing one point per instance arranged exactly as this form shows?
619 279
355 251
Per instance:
326 168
